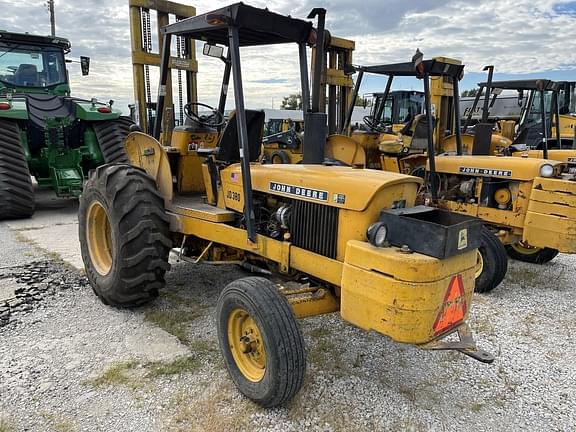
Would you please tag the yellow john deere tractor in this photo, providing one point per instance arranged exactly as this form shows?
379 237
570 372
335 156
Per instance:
352 236
534 133
529 204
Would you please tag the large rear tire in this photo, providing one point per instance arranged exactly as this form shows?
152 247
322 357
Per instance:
260 341
124 235
492 262
531 255
16 191
110 136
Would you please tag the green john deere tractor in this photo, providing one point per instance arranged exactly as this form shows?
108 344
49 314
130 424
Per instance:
44 132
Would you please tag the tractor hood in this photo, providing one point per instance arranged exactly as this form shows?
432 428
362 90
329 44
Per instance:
493 166
336 186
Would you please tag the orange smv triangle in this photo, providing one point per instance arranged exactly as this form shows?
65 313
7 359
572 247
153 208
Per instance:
454 307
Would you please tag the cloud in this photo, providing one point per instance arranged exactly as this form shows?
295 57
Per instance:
517 36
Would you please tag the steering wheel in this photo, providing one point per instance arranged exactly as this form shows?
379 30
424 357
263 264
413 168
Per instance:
373 124
214 120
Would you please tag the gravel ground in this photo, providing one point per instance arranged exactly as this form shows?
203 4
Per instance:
73 364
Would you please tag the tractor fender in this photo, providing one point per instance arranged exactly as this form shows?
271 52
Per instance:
147 153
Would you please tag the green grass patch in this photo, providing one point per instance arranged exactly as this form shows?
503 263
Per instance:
6 425
117 374
175 367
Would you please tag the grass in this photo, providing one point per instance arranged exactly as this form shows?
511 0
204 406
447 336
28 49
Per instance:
58 422
178 366
220 409
181 311
116 374
476 407
173 321
522 275
6 425
133 374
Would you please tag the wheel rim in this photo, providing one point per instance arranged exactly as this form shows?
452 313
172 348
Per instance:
479 264
276 159
99 238
246 345
525 249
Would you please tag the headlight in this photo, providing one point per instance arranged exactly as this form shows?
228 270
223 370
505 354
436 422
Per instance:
546 170
377 234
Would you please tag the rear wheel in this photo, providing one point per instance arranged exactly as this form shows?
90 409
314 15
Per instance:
110 135
16 192
260 341
492 262
124 235
521 252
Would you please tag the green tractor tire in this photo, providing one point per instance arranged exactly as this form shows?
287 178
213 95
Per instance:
16 191
110 135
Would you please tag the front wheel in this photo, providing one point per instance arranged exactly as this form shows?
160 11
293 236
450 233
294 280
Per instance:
124 235
529 254
492 262
260 341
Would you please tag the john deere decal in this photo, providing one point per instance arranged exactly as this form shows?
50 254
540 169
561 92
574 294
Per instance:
299 191
485 172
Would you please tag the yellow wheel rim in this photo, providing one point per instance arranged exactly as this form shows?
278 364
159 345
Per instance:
525 249
246 345
479 264
99 237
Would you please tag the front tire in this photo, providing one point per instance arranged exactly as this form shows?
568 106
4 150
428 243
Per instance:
260 341
124 235
532 255
492 262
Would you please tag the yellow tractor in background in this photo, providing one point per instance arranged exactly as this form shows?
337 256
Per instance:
282 141
285 146
351 239
533 133
527 203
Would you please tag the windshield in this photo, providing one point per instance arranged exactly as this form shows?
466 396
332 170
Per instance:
400 107
31 66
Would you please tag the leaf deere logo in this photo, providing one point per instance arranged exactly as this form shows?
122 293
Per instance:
488 172
299 191
462 239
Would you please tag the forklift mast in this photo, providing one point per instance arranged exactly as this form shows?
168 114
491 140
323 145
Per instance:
143 57
336 84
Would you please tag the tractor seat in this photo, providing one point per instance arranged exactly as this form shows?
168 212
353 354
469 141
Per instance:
26 76
229 145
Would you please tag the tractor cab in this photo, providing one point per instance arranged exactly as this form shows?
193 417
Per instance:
408 134
392 114
535 132
33 64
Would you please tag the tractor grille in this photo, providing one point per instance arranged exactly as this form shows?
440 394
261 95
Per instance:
314 227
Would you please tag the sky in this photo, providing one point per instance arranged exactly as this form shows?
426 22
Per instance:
521 38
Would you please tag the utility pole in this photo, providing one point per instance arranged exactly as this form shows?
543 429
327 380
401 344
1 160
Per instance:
50 4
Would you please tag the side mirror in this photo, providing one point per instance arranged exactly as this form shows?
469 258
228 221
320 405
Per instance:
85 65
520 97
496 91
213 50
